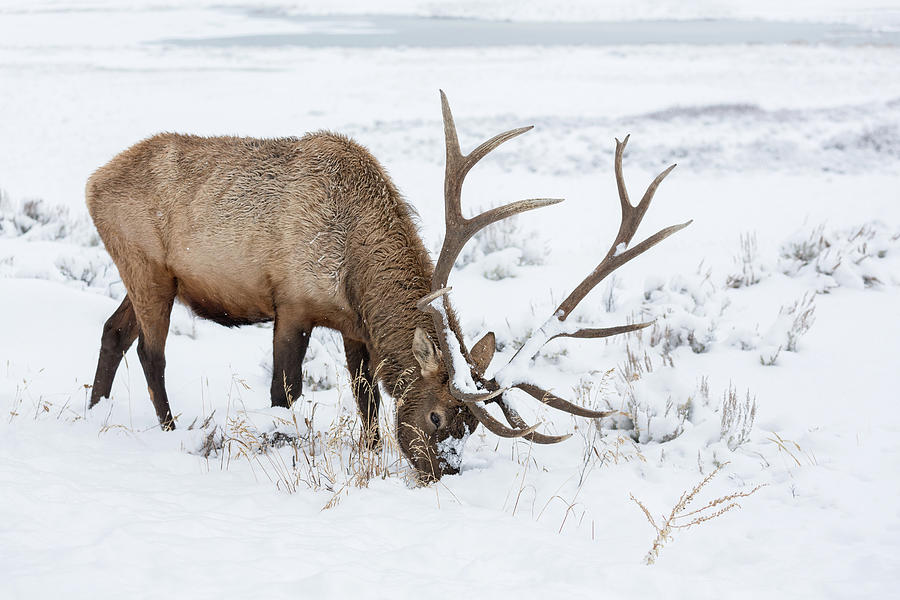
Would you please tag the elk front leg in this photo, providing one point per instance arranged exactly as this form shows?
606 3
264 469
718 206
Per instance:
119 333
289 344
365 390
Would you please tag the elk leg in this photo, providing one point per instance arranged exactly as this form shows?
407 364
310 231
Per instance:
153 317
289 344
119 333
365 390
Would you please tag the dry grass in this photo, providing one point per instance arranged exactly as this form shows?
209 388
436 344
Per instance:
803 313
681 518
299 454
737 418
293 453
809 249
296 454
597 449
41 406
748 270
600 449
769 357
793 450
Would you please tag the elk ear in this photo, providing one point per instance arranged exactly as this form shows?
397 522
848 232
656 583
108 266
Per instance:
483 351
427 354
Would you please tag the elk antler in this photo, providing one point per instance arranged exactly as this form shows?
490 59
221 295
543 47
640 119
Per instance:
460 230
618 254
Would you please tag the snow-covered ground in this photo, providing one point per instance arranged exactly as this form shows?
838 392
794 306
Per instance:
774 357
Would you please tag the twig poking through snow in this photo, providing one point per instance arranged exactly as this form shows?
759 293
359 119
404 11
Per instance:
678 518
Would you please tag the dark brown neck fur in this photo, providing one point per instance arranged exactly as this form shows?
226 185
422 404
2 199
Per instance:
391 272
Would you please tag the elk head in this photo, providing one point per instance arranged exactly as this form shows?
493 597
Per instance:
432 425
453 377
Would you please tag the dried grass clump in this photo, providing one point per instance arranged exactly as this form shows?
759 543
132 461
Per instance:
333 460
805 250
840 257
681 518
631 371
295 455
737 418
748 269
793 322
803 313
769 356
686 310
658 405
793 450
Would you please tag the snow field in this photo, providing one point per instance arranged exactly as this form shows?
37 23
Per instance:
795 444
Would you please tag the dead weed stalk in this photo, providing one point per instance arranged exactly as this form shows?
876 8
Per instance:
681 518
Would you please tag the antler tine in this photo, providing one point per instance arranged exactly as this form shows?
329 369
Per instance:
602 332
454 153
619 253
459 228
554 401
516 420
620 179
495 426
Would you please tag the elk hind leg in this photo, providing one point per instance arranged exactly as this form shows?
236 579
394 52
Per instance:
289 343
119 333
365 390
153 311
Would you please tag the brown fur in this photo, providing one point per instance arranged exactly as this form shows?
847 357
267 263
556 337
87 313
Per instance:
307 232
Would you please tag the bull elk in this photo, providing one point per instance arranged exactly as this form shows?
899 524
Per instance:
311 232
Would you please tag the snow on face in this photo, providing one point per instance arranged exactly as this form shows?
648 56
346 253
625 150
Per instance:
450 449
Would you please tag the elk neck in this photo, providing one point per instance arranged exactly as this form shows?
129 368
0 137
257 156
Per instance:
392 272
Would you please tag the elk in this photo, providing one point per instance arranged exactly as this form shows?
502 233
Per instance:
311 232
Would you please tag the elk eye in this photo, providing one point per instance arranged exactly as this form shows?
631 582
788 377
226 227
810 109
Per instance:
436 419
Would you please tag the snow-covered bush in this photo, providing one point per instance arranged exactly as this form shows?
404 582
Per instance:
686 309
293 453
749 270
500 249
847 257
501 264
743 336
657 400
737 418
35 220
662 405
93 269
60 247
793 321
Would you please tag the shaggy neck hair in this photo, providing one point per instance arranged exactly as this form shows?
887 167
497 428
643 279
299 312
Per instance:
391 272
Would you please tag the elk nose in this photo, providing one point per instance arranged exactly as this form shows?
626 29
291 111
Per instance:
435 419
